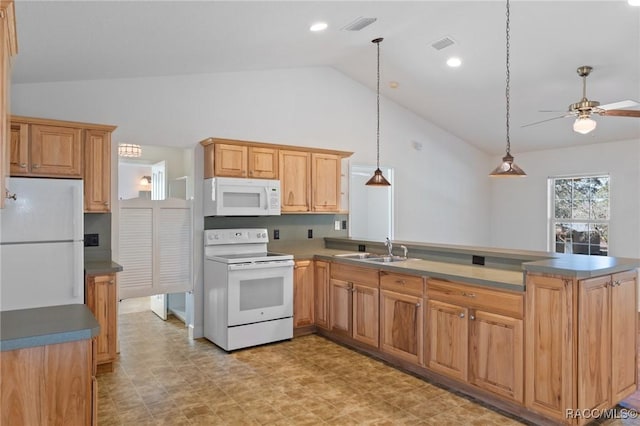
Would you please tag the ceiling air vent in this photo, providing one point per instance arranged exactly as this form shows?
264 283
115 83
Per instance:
442 43
358 24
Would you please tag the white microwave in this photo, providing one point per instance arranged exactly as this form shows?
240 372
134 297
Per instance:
241 197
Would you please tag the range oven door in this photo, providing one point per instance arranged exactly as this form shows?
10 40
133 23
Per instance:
260 291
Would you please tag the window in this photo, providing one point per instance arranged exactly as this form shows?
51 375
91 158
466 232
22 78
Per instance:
579 215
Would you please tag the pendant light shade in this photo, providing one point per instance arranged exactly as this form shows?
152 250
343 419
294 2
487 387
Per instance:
508 168
378 179
584 125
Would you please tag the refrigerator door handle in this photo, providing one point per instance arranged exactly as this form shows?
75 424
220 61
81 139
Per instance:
78 270
78 211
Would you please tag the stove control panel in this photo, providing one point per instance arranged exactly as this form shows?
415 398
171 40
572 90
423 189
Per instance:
235 236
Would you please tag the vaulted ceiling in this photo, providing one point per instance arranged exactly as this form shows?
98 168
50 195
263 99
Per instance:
85 40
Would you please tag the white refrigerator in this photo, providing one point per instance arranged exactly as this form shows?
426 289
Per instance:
41 244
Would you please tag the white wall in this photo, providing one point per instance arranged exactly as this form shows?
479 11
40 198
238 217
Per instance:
129 175
519 212
441 191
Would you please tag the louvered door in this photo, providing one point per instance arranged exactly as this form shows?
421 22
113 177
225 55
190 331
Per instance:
155 247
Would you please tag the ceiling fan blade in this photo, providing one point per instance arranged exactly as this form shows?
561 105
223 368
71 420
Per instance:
620 105
622 112
548 119
551 110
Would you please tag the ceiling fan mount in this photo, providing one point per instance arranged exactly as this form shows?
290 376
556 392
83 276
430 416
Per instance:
583 109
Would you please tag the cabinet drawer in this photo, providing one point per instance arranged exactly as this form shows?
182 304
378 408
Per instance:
498 301
407 284
365 276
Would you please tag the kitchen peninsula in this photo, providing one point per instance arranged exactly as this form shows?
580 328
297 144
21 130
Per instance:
541 335
48 366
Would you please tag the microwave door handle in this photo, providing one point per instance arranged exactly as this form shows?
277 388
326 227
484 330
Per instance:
266 198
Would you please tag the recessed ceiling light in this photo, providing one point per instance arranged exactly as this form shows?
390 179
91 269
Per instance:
454 62
634 2
318 26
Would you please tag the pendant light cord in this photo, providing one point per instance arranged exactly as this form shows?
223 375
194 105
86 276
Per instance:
378 109
507 91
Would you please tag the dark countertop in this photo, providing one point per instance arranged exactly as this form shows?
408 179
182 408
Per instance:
98 267
26 328
581 266
507 270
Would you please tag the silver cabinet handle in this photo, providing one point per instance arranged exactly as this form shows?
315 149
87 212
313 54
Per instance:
418 305
10 196
472 317
36 166
617 282
403 282
353 289
461 315
23 165
471 295
111 281
106 203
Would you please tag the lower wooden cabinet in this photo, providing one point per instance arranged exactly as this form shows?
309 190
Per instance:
475 335
354 306
580 344
401 316
49 385
303 290
321 293
101 298
447 339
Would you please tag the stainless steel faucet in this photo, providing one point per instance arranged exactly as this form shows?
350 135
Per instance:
389 246
405 250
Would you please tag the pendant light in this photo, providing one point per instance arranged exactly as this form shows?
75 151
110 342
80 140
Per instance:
508 167
378 179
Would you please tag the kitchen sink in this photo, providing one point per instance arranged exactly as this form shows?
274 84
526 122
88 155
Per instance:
387 259
357 255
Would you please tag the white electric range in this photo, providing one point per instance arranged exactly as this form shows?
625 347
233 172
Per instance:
248 291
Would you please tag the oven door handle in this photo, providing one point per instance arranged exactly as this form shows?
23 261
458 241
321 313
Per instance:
261 265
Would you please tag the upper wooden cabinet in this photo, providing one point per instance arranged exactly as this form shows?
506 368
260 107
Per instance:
55 151
97 171
310 178
8 48
295 181
42 147
325 179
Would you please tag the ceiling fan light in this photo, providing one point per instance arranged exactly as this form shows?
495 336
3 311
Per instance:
508 168
378 179
584 125
634 2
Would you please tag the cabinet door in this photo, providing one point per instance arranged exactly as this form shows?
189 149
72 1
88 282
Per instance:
325 178
97 171
230 160
101 299
67 393
294 177
19 149
624 335
447 339
549 345
340 306
321 293
263 163
401 320
594 339
365 314
303 293
496 354
56 151
21 393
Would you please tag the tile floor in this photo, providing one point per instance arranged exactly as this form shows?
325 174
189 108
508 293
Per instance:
162 378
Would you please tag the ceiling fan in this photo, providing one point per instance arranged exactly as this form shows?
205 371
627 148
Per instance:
583 109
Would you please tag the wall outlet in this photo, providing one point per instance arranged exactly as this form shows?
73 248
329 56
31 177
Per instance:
344 224
336 225
361 247
276 234
310 233
477 260
91 240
